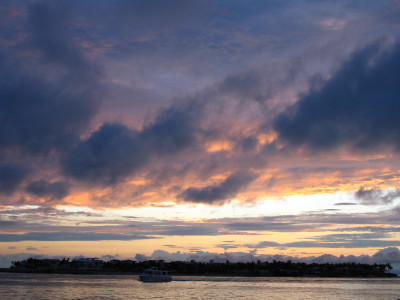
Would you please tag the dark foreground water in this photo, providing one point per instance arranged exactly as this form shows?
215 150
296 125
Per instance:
55 286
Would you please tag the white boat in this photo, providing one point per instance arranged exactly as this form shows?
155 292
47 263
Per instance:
155 275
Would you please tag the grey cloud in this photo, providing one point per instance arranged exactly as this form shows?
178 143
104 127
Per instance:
373 196
49 26
174 129
164 15
351 240
45 107
190 229
357 107
334 241
248 144
29 103
390 254
70 236
221 192
346 237
375 229
11 176
264 244
114 151
316 221
10 224
246 85
350 244
387 255
52 190
110 153
268 226
228 246
161 254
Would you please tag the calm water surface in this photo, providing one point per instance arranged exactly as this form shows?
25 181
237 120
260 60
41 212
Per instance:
55 286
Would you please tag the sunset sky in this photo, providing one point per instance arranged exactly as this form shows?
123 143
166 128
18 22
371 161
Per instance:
192 127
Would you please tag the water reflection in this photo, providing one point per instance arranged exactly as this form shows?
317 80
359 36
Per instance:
74 287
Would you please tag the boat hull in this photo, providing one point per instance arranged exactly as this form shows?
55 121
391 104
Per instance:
155 279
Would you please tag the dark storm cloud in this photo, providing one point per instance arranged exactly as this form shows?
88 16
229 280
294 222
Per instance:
174 129
44 107
114 151
49 23
358 106
11 176
221 192
110 153
29 103
374 196
52 190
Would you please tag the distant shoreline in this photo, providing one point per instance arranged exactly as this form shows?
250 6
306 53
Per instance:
97 272
94 266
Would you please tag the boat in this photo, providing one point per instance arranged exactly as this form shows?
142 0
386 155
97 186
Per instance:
155 275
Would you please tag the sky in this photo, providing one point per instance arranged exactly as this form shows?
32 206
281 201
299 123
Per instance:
152 128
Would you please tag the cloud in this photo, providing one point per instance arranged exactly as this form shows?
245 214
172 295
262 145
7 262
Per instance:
386 255
188 229
29 103
165 16
35 94
376 229
115 151
11 176
264 244
49 26
225 190
228 246
161 254
357 107
110 153
51 190
266 225
374 196
319 244
359 240
174 129
246 85
70 236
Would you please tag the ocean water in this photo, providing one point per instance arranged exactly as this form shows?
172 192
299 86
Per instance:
61 286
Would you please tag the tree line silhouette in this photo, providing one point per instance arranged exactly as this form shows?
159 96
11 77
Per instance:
211 268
